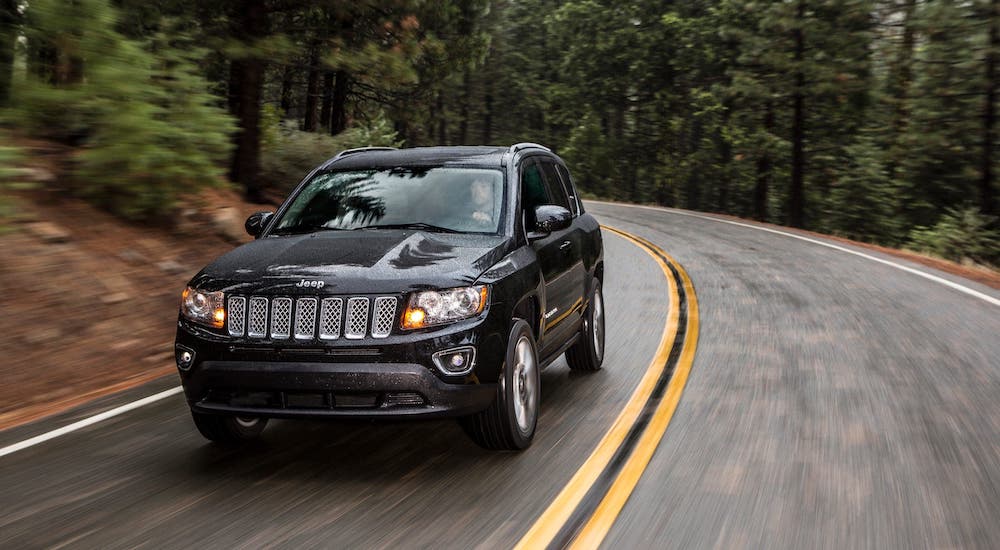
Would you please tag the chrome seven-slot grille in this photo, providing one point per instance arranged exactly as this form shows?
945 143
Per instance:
309 318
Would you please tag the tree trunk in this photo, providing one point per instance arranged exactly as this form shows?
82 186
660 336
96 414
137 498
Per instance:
42 57
796 191
8 40
725 149
287 82
901 90
338 111
986 200
463 126
763 171
312 92
327 105
692 187
251 24
71 70
235 81
618 120
442 120
488 114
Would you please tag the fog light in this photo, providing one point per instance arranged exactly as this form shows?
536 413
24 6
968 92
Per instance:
185 357
456 361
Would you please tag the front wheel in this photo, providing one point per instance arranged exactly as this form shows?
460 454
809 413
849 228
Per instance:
587 353
509 423
228 430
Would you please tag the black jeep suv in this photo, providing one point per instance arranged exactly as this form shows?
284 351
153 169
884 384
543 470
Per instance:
419 282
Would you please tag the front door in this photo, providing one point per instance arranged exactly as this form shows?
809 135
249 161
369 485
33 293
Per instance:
560 260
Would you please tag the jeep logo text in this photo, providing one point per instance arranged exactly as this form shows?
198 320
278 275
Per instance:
305 283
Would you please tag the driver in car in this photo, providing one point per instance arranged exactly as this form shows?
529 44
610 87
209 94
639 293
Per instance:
482 203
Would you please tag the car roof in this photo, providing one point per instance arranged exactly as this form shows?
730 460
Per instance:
385 157
417 156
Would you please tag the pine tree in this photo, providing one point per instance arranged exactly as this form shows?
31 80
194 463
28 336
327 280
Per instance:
149 130
9 23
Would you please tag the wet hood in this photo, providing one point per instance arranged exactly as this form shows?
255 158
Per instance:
354 262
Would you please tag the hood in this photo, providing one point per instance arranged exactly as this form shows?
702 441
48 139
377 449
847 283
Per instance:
354 262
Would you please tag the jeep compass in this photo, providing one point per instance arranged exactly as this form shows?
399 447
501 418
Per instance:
399 283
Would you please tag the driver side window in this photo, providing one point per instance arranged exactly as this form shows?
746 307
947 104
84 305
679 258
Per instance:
533 192
557 193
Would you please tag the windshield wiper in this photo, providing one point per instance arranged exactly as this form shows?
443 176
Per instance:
417 225
304 229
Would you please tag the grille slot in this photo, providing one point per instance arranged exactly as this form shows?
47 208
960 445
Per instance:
281 318
311 318
237 315
356 320
384 317
257 324
305 318
329 318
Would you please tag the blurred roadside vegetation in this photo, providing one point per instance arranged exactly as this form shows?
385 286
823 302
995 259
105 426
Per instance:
9 159
869 119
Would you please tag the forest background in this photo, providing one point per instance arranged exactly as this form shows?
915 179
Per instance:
871 120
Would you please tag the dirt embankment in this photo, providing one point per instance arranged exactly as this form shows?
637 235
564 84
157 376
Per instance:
90 302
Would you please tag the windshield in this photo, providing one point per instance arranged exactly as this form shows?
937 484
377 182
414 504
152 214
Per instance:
451 200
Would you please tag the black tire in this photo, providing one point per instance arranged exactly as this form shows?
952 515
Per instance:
509 422
228 430
587 354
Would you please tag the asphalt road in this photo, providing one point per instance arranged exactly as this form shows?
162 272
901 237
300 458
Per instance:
833 402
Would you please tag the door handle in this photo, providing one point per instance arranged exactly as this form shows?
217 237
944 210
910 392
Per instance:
565 245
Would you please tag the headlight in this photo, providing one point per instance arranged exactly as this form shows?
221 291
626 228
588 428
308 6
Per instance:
435 307
204 308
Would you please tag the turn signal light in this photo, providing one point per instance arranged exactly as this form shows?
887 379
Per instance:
414 318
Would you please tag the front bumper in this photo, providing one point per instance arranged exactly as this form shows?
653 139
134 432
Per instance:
359 390
392 378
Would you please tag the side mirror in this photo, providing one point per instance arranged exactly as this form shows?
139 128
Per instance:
256 223
549 218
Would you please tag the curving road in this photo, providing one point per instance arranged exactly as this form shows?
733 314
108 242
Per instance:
834 401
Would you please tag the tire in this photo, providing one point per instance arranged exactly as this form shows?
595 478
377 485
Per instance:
228 430
509 422
587 354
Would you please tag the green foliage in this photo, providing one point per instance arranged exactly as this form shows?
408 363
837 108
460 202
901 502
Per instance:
688 104
294 153
270 126
589 154
148 129
861 203
962 234
9 158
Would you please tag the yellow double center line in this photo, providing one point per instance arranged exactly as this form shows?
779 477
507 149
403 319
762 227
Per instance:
584 511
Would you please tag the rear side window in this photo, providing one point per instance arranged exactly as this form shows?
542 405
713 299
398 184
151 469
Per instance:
557 193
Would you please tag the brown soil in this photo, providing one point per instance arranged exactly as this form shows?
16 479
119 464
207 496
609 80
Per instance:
90 302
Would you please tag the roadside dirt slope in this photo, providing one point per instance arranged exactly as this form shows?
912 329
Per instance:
90 303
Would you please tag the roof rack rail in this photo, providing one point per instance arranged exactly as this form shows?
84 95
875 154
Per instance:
527 145
346 152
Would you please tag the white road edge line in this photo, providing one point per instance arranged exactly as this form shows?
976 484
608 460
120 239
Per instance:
975 293
88 421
